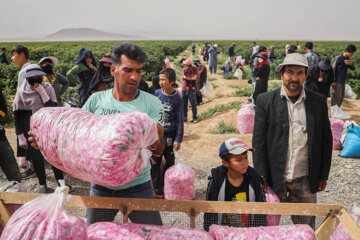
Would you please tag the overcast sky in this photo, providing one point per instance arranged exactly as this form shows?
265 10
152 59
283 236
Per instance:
220 19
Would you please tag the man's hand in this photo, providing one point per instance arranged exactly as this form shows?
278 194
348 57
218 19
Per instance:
33 140
320 79
257 78
348 62
36 85
176 147
91 66
333 85
265 186
322 185
158 146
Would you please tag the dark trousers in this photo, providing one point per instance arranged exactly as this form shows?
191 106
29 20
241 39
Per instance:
158 169
37 160
143 190
261 86
8 162
189 96
338 95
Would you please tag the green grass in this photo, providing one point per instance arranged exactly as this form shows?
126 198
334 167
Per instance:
235 86
223 128
230 76
212 79
244 91
219 108
346 100
214 85
274 85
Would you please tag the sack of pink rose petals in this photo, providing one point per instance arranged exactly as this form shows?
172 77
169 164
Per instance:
132 231
336 130
245 119
340 232
109 150
272 197
285 232
44 218
179 181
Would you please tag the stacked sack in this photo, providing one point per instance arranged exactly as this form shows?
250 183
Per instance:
245 119
45 218
179 181
108 150
132 231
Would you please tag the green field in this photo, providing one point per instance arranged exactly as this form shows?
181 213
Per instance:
157 51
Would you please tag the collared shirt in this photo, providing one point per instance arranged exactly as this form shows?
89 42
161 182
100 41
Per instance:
297 159
21 76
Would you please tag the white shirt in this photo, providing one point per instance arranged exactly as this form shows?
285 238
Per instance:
21 76
255 50
297 159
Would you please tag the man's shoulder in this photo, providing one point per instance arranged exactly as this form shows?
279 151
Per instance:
314 96
270 94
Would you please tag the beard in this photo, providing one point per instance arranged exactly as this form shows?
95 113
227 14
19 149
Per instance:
293 86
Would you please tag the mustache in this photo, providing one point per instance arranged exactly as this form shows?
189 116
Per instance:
294 82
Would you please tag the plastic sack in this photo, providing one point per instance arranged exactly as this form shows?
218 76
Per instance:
336 129
336 112
352 140
179 181
167 62
108 150
340 232
285 232
245 119
132 231
23 163
238 73
345 130
272 197
349 93
206 89
45 218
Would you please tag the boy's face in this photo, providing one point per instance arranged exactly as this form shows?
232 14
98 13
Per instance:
350 54
237 163
164 82
17 58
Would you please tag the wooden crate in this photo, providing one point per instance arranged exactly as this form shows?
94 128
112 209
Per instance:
334 213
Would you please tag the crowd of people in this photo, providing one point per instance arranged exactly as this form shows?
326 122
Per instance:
292 141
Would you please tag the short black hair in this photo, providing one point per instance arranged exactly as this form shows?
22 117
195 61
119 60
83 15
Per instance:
182 60
3 48
262 49
130 50
254 42
227 156
20 49
169 73
350 48
292 49
309 45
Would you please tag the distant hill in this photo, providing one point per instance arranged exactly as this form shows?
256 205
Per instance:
88 34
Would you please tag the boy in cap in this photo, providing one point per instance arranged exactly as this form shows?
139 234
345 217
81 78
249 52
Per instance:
235 181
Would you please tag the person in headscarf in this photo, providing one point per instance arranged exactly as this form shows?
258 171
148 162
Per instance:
262 76
31 96
202 72
102 79
57 81
82 73
272 57
326 77
227 68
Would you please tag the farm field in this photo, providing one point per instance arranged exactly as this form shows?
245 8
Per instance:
201 143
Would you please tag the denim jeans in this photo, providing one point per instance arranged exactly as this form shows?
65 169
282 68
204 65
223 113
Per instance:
213 69
253 76
143 190
189 95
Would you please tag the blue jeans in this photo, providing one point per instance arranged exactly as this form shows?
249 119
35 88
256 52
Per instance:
189 95
253 77
213 69
143 190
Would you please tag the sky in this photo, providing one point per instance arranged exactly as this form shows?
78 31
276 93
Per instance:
186 19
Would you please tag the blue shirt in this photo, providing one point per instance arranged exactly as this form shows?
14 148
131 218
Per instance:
173 113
